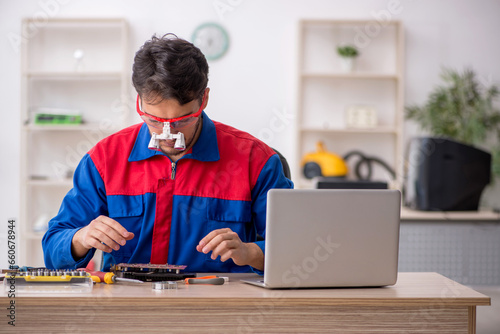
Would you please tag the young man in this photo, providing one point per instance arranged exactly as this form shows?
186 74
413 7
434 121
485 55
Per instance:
178 188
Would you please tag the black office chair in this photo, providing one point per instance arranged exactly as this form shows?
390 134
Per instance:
284 163
286 171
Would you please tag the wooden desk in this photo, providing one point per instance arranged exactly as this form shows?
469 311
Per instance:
419 302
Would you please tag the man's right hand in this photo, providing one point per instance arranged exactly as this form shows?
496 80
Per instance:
102 233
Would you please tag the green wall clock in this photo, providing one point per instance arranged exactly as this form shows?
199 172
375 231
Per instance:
212 39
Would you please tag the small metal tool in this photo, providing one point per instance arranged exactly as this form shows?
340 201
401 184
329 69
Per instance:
164 285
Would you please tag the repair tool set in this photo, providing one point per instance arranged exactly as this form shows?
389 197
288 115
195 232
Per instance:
47 280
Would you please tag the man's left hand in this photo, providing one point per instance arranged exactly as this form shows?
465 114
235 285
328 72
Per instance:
228 245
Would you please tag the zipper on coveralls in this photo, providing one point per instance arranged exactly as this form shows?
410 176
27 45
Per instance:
172 175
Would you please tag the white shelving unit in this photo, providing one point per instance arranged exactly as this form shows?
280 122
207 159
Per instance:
325 91
72 64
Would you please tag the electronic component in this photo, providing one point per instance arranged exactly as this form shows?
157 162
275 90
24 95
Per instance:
151 272
52 116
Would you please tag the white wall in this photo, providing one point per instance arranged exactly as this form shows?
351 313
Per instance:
256 79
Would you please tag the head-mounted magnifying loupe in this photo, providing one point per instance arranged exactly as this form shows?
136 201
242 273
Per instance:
180 143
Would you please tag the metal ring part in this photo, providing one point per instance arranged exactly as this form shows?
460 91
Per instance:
164 285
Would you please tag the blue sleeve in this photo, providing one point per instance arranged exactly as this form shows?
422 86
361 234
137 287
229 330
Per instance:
82 204
270 177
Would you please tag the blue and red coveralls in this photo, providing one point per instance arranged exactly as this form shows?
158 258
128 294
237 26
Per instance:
221 182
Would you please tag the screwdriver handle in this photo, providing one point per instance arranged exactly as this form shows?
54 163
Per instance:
99 276
95 279
109 278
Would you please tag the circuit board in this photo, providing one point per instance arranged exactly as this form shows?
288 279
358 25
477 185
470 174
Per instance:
148 272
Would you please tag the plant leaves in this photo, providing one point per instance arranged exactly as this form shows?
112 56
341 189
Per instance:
462 109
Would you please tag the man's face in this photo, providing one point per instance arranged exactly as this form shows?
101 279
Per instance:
170 109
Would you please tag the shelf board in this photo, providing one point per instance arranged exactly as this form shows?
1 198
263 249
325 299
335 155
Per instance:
481 215
349 23
50 183
69 127
381 130
354 75
68 75
81 22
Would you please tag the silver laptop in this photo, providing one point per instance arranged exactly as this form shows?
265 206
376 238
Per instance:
331 238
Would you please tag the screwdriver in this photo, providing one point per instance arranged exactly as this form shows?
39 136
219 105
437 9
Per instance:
108 278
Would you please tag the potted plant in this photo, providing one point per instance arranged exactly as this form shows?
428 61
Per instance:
347 55
460 110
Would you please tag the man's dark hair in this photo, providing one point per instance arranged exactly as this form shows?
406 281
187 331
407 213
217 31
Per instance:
169 67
